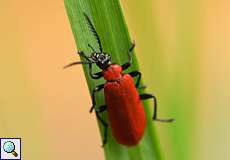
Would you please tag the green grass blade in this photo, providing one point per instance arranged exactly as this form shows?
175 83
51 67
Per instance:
110 24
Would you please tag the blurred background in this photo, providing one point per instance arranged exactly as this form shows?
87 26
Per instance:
183 50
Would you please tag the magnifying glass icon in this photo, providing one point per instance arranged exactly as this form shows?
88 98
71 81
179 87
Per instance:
9 147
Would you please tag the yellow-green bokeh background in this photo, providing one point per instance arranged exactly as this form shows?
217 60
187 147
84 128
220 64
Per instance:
183 48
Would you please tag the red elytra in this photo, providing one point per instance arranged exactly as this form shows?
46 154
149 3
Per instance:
123 102
125 110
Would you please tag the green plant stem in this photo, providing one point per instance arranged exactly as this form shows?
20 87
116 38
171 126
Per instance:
110 24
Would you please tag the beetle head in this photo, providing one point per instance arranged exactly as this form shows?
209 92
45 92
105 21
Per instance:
103 60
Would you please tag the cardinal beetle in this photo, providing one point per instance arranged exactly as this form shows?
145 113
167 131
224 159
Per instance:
123 102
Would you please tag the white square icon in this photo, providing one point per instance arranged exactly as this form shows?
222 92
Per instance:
10 148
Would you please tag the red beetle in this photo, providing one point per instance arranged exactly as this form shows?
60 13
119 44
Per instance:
123 102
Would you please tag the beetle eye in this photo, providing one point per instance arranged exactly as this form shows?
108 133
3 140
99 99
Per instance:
94 57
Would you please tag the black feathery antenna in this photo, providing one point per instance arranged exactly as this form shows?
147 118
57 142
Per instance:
92 29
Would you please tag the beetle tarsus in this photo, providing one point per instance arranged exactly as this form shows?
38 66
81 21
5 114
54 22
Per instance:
91 109
165 120
141 86
105 139
148 96
105 128
100 109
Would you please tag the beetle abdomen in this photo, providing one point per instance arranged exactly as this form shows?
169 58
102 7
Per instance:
125 111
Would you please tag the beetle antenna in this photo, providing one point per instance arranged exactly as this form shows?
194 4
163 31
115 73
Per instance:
75 63
91 48
92 29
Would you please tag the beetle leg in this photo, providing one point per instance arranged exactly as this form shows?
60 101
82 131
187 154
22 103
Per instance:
105 127
92 75
134 74
81 53
101 109
128 64
96 89
148 96
91 47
